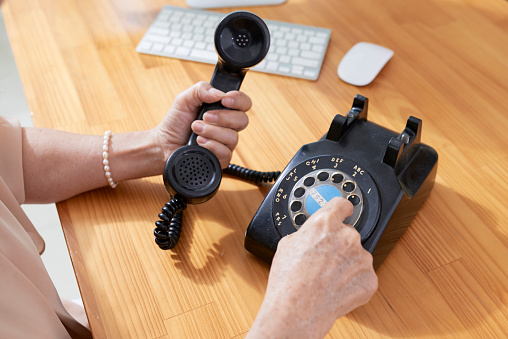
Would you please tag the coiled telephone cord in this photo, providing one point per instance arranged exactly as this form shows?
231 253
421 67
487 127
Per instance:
169 226
251 175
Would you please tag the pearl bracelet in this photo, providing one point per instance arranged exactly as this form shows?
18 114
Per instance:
105 160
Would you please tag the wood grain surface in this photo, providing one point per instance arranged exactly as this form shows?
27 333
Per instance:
447 276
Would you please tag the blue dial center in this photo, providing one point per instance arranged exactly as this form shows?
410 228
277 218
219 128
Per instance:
319 196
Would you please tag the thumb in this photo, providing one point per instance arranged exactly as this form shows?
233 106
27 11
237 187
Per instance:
192 98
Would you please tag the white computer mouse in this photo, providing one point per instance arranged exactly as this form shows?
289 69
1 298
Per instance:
363 62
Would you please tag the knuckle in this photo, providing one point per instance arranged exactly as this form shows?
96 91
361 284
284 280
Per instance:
202 89
241 122
351 234
370 285
319 220
374 283
227 154
234 140
369 259
202 84
246 120
180 96
283 241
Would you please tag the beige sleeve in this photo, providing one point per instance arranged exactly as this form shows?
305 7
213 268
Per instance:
11 167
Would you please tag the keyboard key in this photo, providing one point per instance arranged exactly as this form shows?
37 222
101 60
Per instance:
305 47
284 59
182 51
145 45
284 69
271 57
202 54
301 38
159 39
305 62
278 35
294 52
164 15
281 50
169 49
200 45
157 47
282 43
290 36
298 70
310 55
293 44
318 48
272 66
310 74
316 40
160 31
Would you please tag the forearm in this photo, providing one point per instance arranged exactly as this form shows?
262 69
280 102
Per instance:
58 165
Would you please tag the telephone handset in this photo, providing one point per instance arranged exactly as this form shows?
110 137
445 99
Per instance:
193 173
385 175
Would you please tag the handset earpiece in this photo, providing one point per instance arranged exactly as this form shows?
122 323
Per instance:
241 40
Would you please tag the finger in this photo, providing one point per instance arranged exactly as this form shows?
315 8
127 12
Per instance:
237 100
340 207
192 98
236 120
333 212
225 136
221 151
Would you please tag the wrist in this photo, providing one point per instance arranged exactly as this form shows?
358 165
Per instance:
160 155
278 320
135 155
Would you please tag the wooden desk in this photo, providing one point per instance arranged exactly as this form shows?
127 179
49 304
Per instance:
448 275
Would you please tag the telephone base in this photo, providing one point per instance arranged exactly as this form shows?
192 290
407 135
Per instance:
386 175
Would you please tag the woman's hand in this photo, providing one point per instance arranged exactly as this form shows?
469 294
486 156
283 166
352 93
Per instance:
218 131
318 274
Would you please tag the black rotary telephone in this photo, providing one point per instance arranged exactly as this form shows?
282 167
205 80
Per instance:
385 175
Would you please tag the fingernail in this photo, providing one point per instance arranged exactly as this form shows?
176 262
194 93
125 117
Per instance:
228 101
198 126
210 117
216 92
201 140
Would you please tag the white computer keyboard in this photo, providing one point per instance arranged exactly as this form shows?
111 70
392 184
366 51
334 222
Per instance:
184 33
